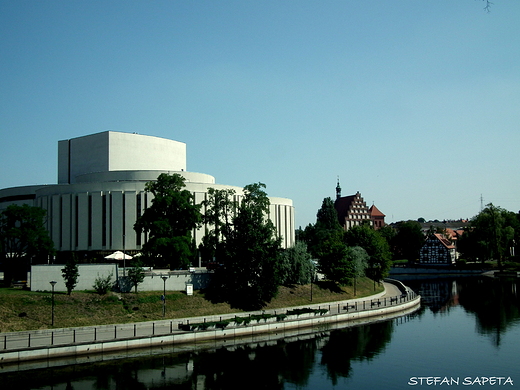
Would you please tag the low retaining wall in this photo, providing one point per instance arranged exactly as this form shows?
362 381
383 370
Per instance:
108 338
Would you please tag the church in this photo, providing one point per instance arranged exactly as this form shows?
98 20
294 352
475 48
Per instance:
353 211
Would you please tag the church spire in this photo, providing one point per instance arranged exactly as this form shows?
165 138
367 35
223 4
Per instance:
338 190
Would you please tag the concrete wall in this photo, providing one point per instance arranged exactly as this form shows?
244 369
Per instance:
42 275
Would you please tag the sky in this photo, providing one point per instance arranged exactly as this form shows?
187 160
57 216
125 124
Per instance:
415 104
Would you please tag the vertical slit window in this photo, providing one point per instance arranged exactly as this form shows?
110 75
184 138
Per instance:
89 220
76 222
104 220
138 214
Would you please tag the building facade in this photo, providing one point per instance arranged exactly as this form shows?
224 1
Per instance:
352 211
437 250
101 191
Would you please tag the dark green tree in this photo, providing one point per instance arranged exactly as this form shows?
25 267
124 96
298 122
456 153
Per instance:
379 261
408 241
249 278
70 275
490 235
327 216
136 274
23 240
326 243
169 223
326 228
388 233
219 207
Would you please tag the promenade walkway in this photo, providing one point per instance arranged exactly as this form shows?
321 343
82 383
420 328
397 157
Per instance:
38 344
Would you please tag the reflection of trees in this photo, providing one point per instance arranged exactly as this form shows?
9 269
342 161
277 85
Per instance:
494 301
357 343
265 367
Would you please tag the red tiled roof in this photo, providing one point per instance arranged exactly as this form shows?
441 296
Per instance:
374 212
444 241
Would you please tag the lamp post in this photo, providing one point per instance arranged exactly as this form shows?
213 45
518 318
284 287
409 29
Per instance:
124 257
312 280
53 283
164 295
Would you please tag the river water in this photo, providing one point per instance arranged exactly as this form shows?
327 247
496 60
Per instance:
466 334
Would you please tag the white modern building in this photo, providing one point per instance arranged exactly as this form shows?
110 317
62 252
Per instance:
100 191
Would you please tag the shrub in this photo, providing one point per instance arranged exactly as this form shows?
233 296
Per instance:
103 284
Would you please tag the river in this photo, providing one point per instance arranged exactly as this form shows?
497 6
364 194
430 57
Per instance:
466 334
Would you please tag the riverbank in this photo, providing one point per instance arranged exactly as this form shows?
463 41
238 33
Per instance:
22 310
87 341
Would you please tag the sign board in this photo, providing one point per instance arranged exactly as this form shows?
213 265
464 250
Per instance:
189 289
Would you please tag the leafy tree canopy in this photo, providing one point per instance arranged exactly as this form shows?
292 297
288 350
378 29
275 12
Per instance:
219 208
23 240
379 261
136 273
296 266
249 278
70 275
491 235
169 222
408 241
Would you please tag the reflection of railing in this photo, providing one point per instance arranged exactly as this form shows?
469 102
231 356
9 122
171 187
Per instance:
91 337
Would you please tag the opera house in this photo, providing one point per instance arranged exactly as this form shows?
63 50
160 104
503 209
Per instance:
100 191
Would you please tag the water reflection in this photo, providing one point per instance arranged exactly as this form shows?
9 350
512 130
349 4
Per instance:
494 302
354 344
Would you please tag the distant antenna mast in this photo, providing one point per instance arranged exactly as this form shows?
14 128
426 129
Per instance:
481 203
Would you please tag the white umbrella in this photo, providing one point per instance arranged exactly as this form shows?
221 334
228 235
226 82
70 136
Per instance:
118 255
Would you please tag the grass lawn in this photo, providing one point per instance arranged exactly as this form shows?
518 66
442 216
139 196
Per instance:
25 310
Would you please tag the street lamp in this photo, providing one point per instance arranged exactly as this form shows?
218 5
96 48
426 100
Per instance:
53 283
164 295
124 257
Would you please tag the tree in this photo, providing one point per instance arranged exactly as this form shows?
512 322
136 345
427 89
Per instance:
359 259
326 243
377 249
219 207
169 222
23 240
136 273
490 235
327 216
408 241
326 228
249 277
70 274
296 266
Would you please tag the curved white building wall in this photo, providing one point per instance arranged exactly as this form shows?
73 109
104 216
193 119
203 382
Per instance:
114 151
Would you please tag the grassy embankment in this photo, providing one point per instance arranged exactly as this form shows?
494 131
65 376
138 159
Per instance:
24 310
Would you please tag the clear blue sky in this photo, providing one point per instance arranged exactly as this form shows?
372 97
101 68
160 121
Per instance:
415 104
